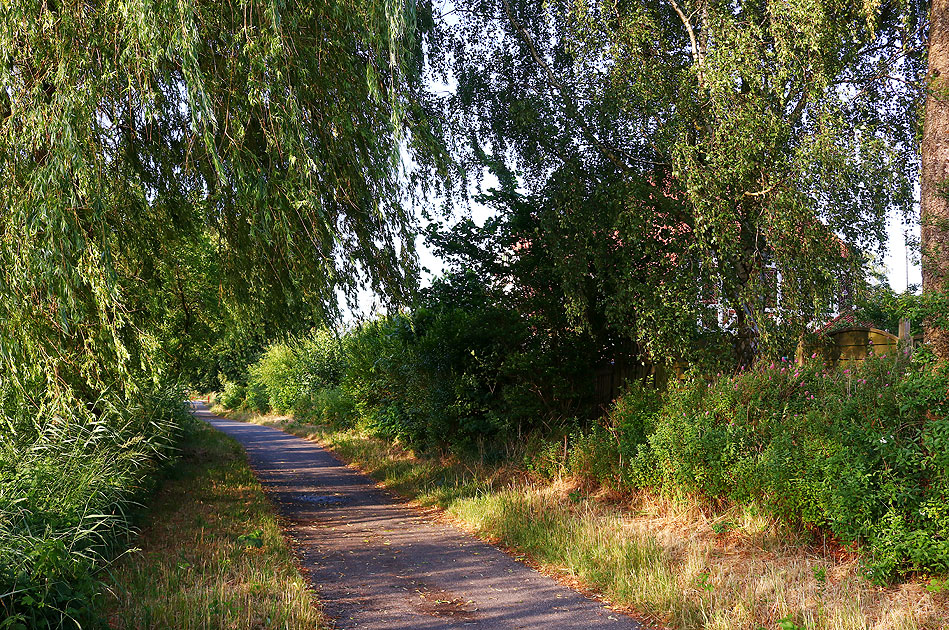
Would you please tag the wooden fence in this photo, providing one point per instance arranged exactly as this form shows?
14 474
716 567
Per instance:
610 378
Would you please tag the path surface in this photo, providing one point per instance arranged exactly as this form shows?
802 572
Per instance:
379 564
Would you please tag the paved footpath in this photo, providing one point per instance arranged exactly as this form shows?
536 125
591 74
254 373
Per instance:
379 564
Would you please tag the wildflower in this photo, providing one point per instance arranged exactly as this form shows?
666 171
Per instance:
882 440
814 356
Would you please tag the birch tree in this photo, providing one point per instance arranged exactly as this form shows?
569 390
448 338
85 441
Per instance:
763 138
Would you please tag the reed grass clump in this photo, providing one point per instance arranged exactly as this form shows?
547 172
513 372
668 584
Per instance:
69 479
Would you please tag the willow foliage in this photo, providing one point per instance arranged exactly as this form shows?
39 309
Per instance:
130 129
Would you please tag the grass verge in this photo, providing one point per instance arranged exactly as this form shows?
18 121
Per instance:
212 553
674 564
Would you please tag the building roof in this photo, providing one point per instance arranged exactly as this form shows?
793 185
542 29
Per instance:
850 318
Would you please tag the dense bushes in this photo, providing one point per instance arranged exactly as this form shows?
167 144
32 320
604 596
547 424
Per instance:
289 376
461 370
860 452
232 395
277 373
67 482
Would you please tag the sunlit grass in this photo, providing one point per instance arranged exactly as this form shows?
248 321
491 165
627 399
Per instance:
676 564
212 553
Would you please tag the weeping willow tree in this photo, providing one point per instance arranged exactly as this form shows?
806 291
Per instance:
130 130
713 165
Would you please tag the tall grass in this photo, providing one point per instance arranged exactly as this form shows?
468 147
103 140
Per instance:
68 483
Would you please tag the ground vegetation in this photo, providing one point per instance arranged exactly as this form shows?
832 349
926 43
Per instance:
212 555
851 453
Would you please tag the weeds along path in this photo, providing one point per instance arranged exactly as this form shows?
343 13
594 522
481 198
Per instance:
378 564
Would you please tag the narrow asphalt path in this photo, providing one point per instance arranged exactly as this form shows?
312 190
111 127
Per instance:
379 564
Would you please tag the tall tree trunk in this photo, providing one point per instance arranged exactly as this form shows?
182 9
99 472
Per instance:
747 268
934 185
746 346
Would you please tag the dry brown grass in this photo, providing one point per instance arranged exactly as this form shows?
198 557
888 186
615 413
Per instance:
212 553
759 572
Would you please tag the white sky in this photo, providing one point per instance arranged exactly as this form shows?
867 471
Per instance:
900 264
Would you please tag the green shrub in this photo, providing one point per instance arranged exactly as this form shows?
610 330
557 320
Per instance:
376 362
332 406
858 451
594 455
289 376
633 418
233 395
461 370
277 373
546 457
258 398
320 361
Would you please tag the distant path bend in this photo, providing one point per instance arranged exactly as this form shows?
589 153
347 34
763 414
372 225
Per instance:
378 564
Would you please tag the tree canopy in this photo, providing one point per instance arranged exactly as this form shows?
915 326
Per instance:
250 150
194 169
703 148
